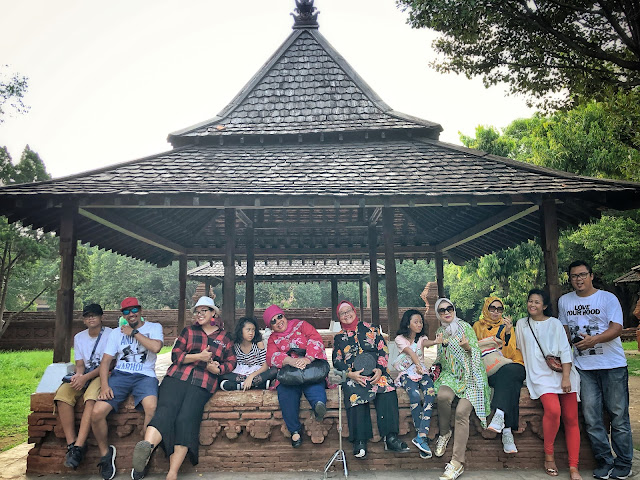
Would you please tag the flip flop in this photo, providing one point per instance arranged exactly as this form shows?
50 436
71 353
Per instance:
551 471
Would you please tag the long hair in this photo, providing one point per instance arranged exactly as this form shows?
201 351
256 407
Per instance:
240 325
403 329
546 300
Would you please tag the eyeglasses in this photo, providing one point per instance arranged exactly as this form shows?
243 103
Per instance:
276 318
346 312
496 309
197 313
449 309
127 311
582 275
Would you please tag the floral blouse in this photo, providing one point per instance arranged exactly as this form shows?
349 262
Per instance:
346 346
300 335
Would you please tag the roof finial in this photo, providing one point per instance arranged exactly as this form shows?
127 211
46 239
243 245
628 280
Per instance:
305 15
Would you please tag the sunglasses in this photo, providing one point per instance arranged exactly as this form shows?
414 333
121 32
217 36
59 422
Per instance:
276 318
496 309
449 309
126 311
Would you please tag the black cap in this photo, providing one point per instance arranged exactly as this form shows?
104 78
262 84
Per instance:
92 308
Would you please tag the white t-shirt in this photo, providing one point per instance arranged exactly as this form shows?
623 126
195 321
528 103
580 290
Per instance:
132 357
591 315
553 340
83 346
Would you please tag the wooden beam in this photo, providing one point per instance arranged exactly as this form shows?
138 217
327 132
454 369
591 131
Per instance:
373 276
390 270
439 273
249 297
182 298
244 218
334 300
321 252
64 303
361 291
229 285
508 215
134 231
375 216
549 240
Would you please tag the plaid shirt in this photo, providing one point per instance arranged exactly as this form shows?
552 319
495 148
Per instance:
193 340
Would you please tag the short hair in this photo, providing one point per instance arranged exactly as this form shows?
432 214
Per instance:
546 299
240 325
403 329
578 263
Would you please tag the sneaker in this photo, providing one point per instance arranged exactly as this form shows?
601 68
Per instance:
603 472
67 456
451 472
223 385
621 472
135 475
508 443
108 464
441 444
320 409
267 384
360 449
75 456
394 444
141 454
497 423
423 446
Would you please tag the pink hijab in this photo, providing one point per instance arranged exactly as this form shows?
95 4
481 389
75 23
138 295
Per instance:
348 326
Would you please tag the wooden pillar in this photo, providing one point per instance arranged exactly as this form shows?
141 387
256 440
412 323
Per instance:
373 276
334 300
64 303
229 284
390 270
249 295
207 288
361 290
440 273
182 299
549 241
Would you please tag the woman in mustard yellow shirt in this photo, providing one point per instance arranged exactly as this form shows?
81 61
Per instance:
507 381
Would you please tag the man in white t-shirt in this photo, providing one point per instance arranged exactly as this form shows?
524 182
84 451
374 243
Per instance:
134 347
593 321
88 346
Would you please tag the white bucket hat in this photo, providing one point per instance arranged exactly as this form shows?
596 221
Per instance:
205 301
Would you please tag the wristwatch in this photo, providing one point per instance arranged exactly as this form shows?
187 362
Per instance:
133 334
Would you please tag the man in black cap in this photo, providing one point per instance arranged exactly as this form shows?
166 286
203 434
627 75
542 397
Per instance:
88 347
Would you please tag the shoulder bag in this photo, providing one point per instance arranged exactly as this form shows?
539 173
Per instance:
554 363
67 377
315 372
492 357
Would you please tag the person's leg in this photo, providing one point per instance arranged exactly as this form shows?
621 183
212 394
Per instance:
260 380
149 404
445 399
428 392
415 401
615 385
85 423
67 417
289 400
569 408
506 384
387 413
461 431
99 425
230 382
175 461
314 393
187 422
591 397
360 428
550 426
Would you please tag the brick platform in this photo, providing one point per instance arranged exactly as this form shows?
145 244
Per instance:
245 432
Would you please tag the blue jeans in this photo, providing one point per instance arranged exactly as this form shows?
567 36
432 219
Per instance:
289 399
608 390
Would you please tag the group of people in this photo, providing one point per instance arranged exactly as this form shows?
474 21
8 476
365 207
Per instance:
558 357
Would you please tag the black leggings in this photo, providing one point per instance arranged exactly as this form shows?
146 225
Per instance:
506 384
359 417
259 381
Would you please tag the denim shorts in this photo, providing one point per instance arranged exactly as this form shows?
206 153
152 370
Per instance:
124 384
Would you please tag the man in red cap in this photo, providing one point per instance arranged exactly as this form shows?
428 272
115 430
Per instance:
134 346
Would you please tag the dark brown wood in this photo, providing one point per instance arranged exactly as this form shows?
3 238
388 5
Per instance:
373 275
229 284
549 236
439 261
182 300
361 291
207 287
391 281
334 300
64 303
249 296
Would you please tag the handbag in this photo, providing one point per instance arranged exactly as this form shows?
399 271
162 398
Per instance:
315 372
67 377
553 362
492 357
366 362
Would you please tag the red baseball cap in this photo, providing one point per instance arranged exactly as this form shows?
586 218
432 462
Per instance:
129 302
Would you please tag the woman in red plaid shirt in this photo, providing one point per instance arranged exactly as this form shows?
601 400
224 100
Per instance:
202 352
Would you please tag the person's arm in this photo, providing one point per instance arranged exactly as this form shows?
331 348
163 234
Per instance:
590 341
149 343
105 391
229 357
430 343
315 345
275 358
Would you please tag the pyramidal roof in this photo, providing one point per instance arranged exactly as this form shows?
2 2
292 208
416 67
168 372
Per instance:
305 87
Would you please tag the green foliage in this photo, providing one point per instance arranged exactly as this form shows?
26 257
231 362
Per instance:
548 50
13 88
412 278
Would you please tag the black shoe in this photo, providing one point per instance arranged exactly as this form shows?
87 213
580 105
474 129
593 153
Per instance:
296 443
320 410
360 449
603 472
108 464
621 473
74 456
394 444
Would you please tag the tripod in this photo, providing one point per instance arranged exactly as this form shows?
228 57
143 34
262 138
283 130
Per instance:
338 456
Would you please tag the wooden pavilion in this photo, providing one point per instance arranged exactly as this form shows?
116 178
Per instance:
307 162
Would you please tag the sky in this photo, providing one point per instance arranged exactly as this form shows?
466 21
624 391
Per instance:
110 79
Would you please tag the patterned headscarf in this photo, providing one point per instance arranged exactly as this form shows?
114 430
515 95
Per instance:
451 328
348 326
485 316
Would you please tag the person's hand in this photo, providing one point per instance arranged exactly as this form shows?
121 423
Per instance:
106 394
246 385
300 363
214 367
377 373
587 342
205 355
464 343
420 370
358 378
508 323
566 384
77 381
126 329
438 339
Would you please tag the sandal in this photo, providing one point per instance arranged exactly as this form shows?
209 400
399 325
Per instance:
550 468
574 474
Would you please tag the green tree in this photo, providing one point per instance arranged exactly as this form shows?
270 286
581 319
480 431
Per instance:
13 88
550 50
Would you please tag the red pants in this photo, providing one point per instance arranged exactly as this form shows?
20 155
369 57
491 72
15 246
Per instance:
566 405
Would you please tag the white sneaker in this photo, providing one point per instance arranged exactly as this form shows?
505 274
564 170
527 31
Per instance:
497 423
451 472
508 443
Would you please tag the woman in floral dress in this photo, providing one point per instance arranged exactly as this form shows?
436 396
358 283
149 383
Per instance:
358 338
